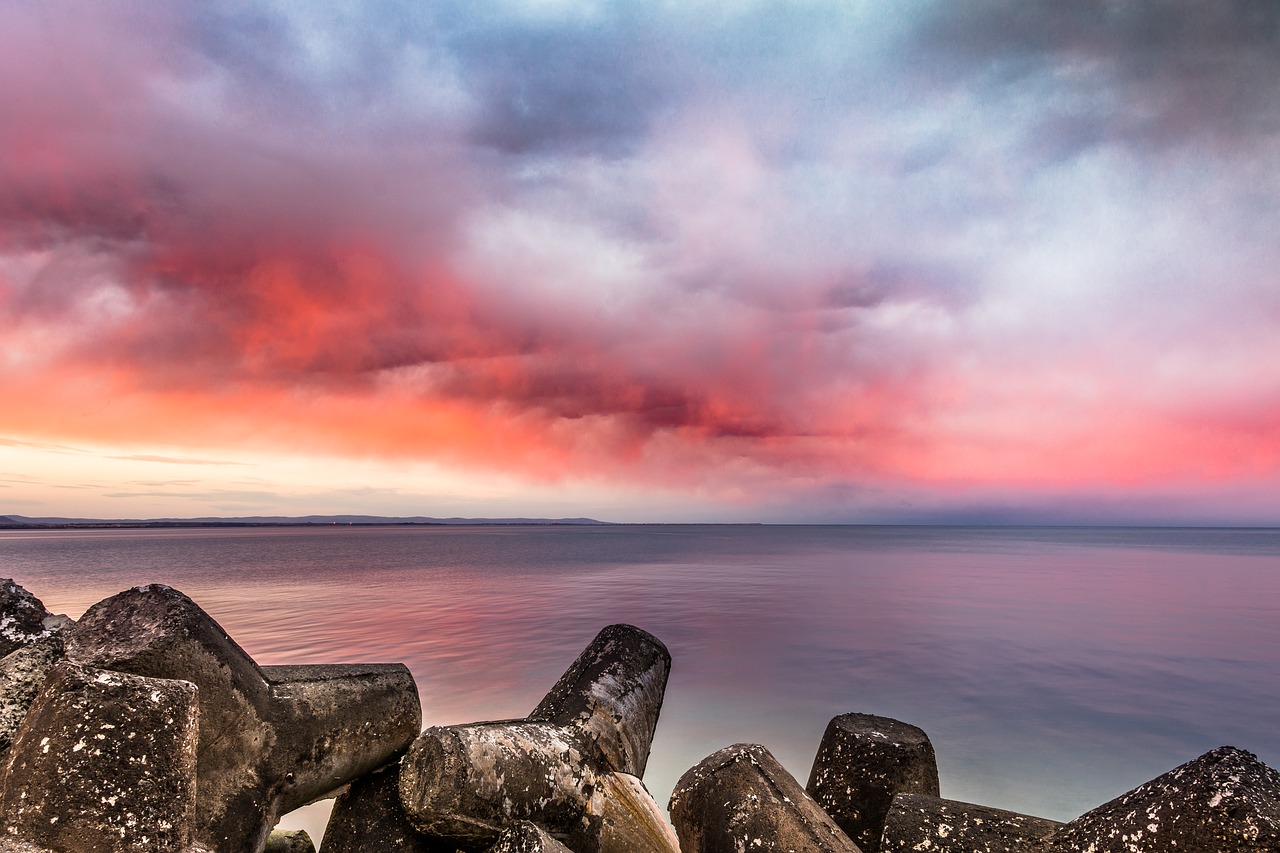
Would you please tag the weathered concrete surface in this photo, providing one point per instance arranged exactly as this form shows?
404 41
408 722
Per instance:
526 837
9 846
863 761
1225 800
271 739
30 644
920 822
336 722
741 799
630 819
103 762
613 692
22 673
367 818
572 766
289 841
23 618
467 784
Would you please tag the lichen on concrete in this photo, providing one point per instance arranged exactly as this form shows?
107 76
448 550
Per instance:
1224 800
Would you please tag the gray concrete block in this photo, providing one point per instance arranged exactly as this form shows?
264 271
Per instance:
630 819
271 739
104 762
920 822
467 784
10 846
526 837
741 799
289 841
1225 800
336 722
367 818
613 692
22 673
862 762
23 618
572 767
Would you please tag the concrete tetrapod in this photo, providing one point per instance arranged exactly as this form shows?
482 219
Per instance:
571 767
30 644
22 673
289 841
271 738
741 799
862 762
103 763
525 837
613 694
467 783
920 822
23 618
367 818
1225 800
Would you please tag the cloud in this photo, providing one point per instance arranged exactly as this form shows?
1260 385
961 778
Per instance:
1174 72
173 460
248 497
707 247
552 86
36 445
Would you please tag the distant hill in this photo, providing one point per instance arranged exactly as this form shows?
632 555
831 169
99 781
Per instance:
22 521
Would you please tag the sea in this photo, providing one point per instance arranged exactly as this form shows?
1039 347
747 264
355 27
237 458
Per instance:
1053 668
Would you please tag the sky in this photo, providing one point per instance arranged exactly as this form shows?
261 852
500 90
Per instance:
818 261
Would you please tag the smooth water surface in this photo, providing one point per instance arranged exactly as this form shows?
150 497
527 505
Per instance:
1052 668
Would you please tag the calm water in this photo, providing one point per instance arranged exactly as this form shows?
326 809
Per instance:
1052 668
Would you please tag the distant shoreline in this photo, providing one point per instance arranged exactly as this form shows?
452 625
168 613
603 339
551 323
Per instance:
23 523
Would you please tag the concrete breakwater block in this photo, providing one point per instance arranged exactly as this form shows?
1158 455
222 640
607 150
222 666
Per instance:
1225 800
22 673
741 799
526 837
289 841
271 739
367 818
466 784
103 762
23 618
862 762
921 822
572 767
613 693
630 819
30 644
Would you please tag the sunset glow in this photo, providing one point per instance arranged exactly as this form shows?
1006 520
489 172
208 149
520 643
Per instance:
828 261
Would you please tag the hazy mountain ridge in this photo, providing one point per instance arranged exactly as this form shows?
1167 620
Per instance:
20 521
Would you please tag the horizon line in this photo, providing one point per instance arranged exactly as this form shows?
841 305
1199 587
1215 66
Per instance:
21 522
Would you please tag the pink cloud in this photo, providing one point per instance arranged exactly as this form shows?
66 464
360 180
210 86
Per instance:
193 257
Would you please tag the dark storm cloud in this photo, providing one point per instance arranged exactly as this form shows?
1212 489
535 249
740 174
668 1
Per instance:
1156 72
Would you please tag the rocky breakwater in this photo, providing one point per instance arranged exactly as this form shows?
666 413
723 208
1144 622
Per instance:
874 787
149 729
568 775
143 727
